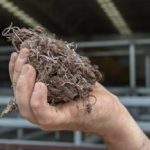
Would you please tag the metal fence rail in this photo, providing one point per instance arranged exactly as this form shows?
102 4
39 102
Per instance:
129 96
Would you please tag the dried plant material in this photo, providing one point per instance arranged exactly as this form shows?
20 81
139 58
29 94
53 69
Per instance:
67 74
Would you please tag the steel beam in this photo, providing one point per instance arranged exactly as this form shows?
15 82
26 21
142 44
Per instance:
132 66
147 70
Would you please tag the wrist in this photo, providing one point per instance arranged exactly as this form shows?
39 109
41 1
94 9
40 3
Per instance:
125 134
111 120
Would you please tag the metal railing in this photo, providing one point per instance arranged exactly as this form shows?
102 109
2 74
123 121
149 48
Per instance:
129 95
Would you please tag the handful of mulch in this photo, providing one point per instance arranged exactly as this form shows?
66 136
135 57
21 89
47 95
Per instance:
68 75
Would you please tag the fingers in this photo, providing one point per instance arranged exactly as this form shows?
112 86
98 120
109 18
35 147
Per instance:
12 62
24 90
21 60
48 117
33 104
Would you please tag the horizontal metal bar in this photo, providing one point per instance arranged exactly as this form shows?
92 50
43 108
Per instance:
145 126
4 58
16 123
5 130
128 90
143 90
119 90
5 92
48 143
21 123
142 41
4 100
101 43
6 49
108 53
108 43
135 101
114 52
111 43
34 134
96 54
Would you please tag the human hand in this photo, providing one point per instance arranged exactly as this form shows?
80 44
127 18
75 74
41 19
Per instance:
31 98
108 117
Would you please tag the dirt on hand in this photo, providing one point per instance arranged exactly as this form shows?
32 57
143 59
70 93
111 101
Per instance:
68 75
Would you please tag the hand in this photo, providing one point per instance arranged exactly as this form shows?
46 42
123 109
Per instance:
108 117
31 98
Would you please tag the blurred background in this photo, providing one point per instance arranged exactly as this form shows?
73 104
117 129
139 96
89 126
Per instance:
114 34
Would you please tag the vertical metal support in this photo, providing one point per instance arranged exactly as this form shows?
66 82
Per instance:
132 66
19 133
147 70
57 135
77 138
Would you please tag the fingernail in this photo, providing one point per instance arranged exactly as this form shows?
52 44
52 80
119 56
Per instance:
23 54
24 70
37 87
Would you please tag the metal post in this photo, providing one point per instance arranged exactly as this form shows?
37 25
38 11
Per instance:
147 70
19 133
132 66
77 138
57 135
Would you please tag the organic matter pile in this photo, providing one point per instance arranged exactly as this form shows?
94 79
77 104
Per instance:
67 74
